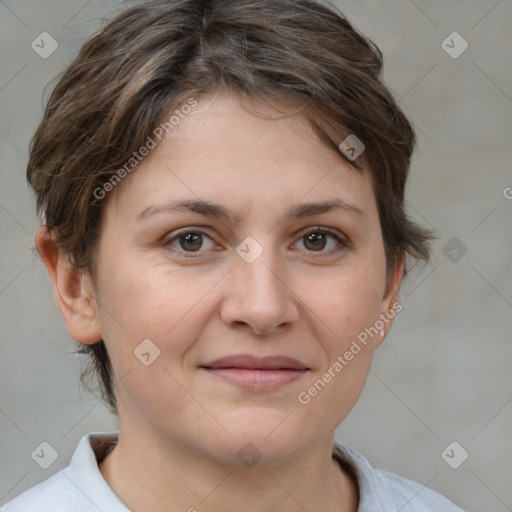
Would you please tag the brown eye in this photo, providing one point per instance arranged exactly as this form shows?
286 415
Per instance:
189 241
317 240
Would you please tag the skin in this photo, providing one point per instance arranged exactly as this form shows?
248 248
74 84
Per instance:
180 427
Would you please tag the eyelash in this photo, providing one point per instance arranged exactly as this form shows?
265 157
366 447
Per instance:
342 243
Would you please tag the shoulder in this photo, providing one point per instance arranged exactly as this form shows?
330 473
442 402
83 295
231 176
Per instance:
79 487
415 497
56 493
387 492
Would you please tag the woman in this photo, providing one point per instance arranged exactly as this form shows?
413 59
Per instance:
222 188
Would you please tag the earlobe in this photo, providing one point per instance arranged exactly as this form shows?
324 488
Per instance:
73 289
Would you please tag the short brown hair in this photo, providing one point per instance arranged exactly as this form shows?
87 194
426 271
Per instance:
152 57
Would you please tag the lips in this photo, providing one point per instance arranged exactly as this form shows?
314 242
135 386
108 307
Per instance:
256 363
256 373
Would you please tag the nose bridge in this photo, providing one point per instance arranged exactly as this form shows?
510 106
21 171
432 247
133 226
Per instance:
259 268
259 297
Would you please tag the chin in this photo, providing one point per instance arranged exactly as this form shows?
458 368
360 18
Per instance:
271 434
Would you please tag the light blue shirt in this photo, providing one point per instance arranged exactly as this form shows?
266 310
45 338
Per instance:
80 487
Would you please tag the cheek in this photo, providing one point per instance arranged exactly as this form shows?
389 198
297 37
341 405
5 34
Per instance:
348 300
345 309
140 301
169 308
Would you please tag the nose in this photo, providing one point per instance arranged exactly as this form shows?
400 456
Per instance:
257 296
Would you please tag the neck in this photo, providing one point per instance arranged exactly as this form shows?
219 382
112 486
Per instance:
153 473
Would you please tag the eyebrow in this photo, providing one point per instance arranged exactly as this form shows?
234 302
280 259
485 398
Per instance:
214 210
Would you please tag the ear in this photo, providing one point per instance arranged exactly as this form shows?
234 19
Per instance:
73 289
390 303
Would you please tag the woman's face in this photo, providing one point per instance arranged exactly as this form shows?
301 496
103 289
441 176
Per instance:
248 271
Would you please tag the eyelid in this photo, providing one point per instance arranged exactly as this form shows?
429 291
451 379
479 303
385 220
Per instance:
187 229
321 229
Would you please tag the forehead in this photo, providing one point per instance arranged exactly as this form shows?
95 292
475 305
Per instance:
228 152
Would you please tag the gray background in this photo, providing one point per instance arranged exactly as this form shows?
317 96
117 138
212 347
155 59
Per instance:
444 371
